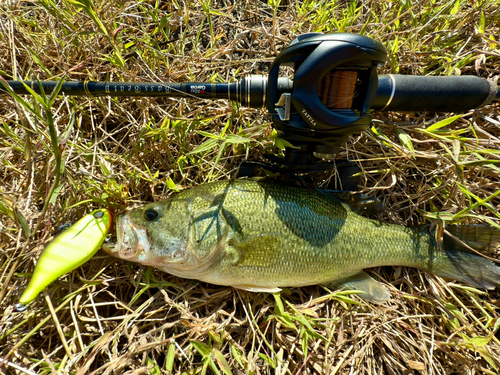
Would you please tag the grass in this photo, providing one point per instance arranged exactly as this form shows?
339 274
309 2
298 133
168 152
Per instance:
62 157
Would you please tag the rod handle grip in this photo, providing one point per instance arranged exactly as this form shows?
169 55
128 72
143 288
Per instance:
435 94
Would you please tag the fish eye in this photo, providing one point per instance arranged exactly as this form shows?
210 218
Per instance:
151 214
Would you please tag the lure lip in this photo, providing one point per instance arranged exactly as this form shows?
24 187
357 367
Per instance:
109 224
113 247
108 246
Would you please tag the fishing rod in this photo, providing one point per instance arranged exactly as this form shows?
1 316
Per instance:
334 89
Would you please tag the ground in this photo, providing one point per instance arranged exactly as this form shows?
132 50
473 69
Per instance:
63 158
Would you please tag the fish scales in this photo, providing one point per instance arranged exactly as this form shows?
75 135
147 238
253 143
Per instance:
261 235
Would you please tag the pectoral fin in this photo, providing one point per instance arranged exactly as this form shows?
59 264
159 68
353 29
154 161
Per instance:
259 251
373 291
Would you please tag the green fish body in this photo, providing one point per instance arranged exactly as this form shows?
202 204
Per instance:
260 235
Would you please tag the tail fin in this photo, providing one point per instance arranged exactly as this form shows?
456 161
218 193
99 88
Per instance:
482 238
456 261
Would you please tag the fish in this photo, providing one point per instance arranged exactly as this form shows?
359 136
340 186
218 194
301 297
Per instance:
260 235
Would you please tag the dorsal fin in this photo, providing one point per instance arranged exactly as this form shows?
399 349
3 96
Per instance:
359 202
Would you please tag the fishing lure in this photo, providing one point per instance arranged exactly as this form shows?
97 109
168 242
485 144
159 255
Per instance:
69 250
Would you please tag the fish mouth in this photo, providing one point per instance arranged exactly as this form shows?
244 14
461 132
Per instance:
131 242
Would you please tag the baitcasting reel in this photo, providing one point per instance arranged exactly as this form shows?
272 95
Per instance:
336 87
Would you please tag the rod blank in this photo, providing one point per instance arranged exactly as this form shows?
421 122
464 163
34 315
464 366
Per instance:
198 89
249 91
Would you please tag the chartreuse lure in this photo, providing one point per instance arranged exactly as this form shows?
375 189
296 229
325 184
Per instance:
67 251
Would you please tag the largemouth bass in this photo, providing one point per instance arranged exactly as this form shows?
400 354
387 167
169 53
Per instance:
260 235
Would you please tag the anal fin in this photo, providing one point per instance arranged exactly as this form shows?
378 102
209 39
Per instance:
373 291
254 288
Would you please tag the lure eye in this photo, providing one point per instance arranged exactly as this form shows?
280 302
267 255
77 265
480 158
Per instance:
151 214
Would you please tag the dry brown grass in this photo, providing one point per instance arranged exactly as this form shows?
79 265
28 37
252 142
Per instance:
116 317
